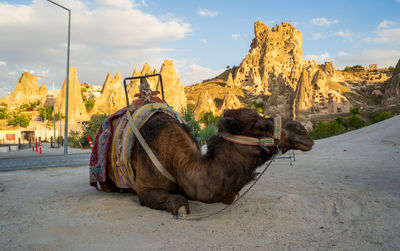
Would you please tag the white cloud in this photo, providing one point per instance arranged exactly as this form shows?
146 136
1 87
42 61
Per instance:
107 36
191 73
317 36
383 58
205 12
235 36
322 21
2 63
204 41
386 36
318 58
342 53
386 24
344 34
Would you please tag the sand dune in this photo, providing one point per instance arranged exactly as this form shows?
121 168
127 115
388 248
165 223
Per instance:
344 194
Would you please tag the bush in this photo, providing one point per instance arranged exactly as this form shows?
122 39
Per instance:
382 116
355 110
73 139
90 129
324 130
355 122
89 104
3 112
357 68
207 133
19 120
208 118
391 68
347 69
258 106
46 112
188 116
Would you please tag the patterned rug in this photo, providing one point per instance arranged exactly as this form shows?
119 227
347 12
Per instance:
116 137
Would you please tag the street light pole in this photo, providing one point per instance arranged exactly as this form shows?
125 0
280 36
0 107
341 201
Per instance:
54 110
67 86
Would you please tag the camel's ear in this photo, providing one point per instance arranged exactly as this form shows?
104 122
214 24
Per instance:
230 125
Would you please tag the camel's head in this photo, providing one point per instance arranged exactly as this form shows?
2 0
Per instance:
295 136
246 122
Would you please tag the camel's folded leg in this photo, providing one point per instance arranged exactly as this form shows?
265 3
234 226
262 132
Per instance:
163 200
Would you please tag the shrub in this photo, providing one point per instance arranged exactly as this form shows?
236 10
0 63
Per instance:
355 121
90 129
89 104
188 116
208 118
391 68
382 116
258 106
355 110
207 133
19 120
73 139
46 112
3 112
347 69
324 130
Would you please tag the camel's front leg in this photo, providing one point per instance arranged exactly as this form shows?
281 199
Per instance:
160 199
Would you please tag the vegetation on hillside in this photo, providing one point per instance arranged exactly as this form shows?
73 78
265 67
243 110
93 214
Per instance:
341 125
18 119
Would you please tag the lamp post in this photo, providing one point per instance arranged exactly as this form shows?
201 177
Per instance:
54 110
67 80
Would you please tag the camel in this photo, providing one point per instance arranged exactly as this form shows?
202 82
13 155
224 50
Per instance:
217 176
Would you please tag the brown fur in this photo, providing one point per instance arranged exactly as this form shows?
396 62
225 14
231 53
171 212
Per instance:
219 175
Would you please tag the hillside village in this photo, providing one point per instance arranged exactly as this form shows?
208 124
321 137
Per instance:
273 76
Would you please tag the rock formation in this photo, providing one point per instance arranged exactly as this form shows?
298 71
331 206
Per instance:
205 103
230 102
112 96
392 88
173 88
26 91
76 108
229 81
274 67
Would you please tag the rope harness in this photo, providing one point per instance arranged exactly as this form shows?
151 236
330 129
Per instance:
245 140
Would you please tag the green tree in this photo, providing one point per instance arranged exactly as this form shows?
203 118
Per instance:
348 69
46 112
391 68
59 116
90 129
3 112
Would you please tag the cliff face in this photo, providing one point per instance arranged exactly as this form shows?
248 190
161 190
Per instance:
392 88
205 103
76 108
112 96
27 90
173 88
295 87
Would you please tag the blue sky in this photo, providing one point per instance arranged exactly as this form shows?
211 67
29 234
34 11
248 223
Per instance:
202 37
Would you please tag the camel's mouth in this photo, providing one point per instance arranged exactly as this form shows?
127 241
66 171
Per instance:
304 145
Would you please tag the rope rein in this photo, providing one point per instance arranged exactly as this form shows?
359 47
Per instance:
198 217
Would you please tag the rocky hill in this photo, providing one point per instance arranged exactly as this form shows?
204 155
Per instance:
76 108
275 73
27 90
112 96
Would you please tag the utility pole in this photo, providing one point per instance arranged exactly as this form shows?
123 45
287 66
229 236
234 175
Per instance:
67 79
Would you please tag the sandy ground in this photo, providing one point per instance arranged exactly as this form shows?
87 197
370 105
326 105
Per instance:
343 195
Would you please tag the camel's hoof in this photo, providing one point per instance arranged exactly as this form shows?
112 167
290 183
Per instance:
182 212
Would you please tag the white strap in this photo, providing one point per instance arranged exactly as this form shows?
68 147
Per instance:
149 152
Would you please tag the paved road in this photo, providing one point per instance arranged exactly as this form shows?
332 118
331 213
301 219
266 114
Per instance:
9 164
